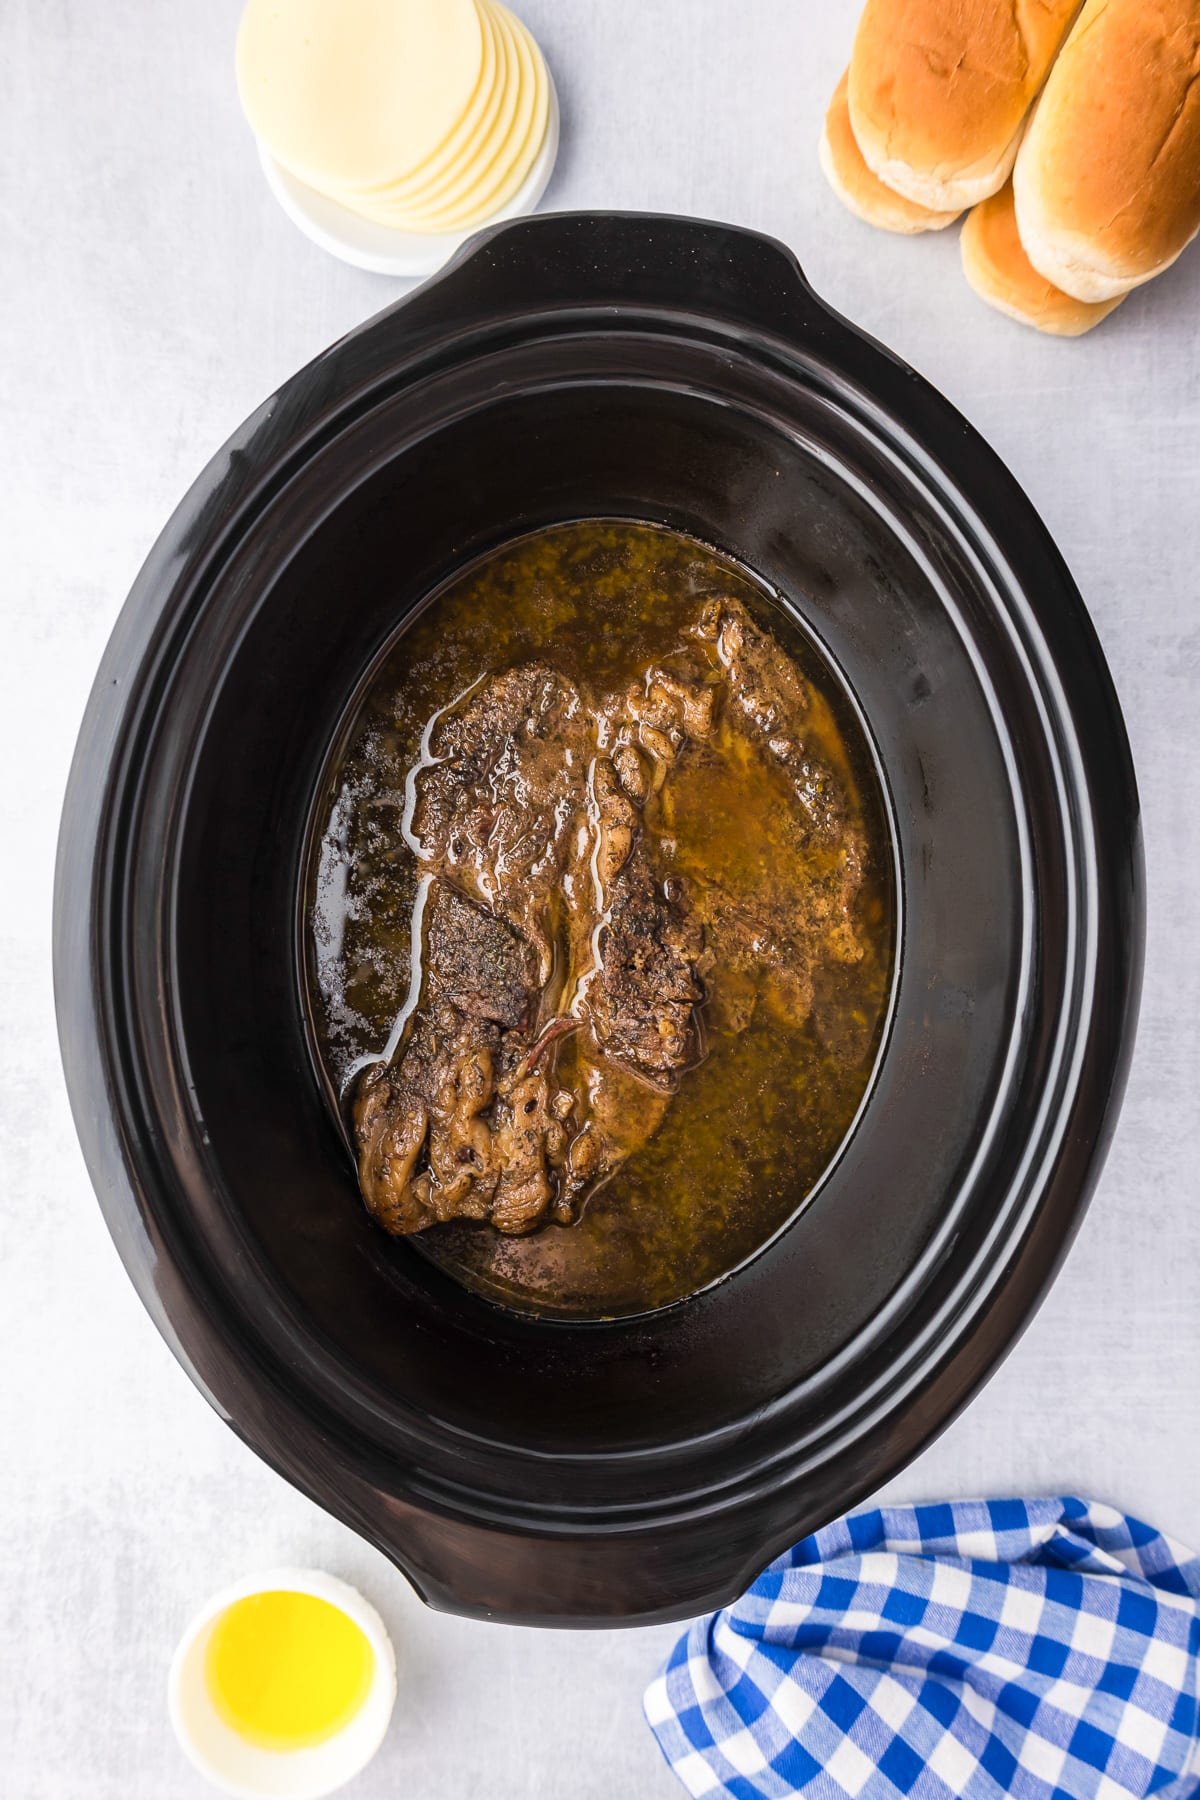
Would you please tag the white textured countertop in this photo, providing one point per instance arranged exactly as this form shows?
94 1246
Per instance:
152 294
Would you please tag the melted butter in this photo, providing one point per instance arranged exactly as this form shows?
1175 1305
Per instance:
287 1670
752 1129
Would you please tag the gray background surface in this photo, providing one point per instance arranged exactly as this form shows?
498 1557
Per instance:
152 294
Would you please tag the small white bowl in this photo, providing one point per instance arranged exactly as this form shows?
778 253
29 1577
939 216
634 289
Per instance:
409 253
245 1769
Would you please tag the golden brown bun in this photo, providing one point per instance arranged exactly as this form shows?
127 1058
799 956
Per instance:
939 89
1107 182
856 187
997 267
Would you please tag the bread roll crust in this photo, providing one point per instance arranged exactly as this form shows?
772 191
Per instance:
995 264
855 186
1107 181
939 89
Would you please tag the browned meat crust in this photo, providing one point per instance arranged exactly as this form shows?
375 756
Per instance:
498 802
642 1002
479 963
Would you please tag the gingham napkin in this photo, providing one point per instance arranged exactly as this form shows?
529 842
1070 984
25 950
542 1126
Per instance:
1038 1649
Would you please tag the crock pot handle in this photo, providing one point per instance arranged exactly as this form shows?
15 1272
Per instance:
553 262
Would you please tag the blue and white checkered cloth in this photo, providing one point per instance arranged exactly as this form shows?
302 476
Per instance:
1043 1649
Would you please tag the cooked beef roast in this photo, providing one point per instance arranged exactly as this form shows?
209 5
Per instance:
462 1123
770 697
564 959
642 1001
501 790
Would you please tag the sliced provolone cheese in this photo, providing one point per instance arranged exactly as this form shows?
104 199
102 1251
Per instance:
461 148
497 187
495 154
361 92
398 201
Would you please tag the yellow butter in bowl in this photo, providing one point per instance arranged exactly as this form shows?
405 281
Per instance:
283 1685
287 1670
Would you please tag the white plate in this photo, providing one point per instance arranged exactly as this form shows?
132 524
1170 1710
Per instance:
377 247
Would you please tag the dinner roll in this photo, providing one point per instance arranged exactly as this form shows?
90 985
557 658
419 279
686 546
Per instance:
939 89
856 187
1000 272
1107 183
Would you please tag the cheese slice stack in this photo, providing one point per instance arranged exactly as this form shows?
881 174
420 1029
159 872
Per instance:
422 115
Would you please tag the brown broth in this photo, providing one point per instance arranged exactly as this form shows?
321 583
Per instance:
754 1127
